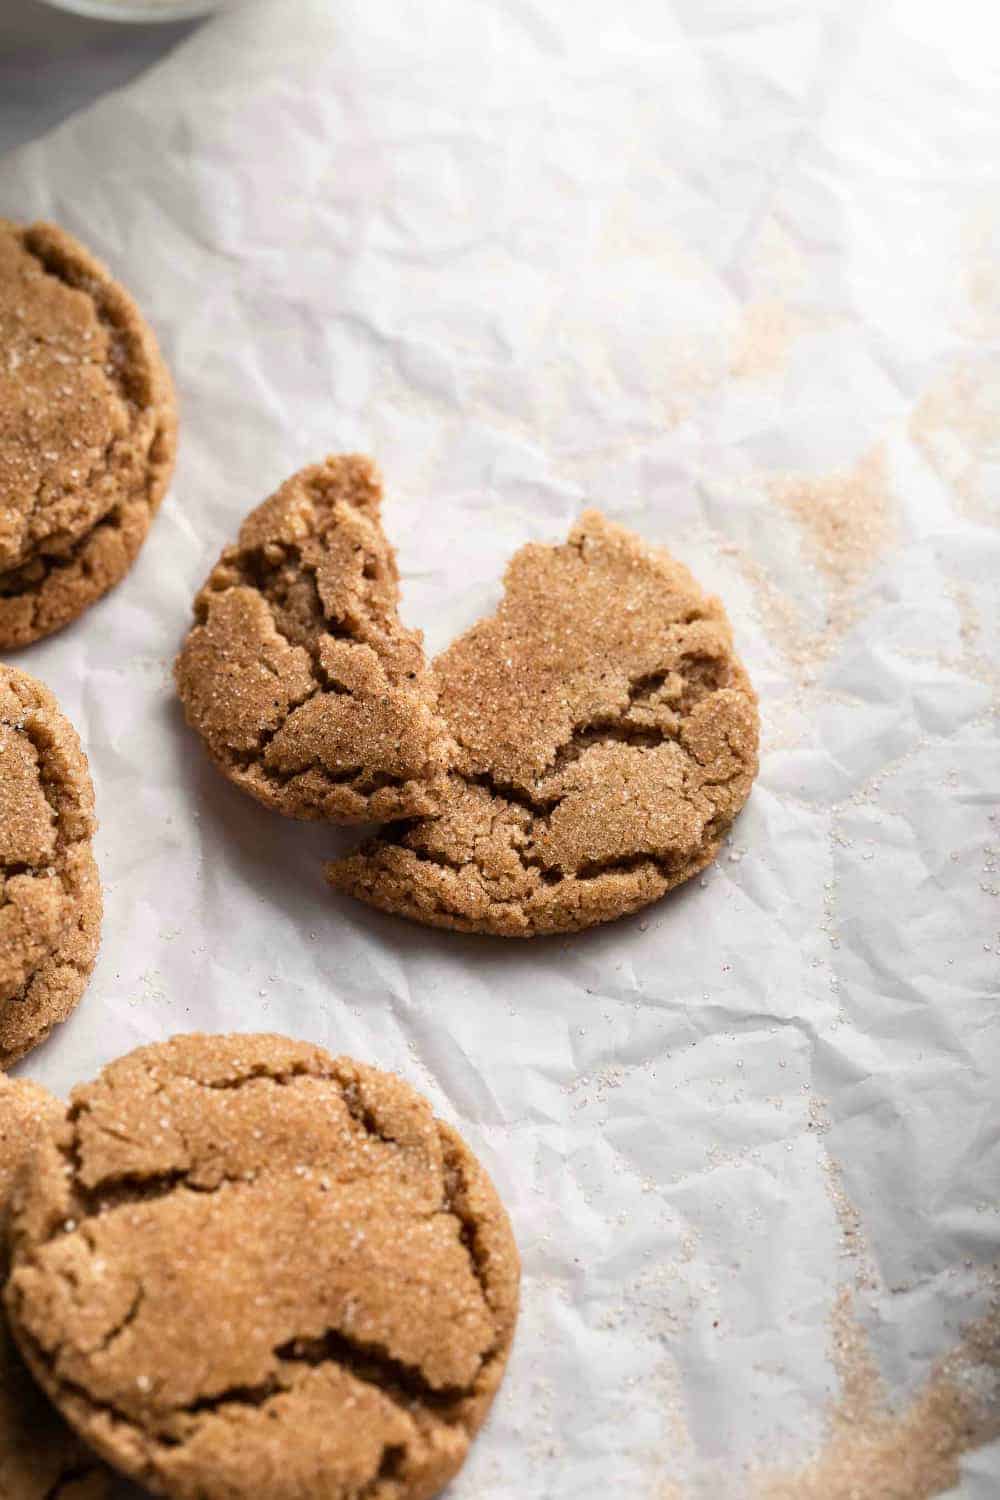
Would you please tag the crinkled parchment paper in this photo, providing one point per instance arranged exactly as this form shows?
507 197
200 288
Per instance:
726 268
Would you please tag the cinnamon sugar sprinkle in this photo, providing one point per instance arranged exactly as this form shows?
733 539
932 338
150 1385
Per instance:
872 1451
846 520
956 426
764 341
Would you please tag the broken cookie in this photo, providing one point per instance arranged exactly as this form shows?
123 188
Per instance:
243 1267
305 687
606 737
567 761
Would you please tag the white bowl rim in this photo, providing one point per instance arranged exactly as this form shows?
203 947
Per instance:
138 12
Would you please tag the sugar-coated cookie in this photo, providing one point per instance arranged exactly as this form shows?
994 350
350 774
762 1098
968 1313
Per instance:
40 1458
50 895
606 739
299 677
242 1267
88 430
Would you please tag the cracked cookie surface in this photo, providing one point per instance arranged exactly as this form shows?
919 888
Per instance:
606 739
49 890
40 1458
242 1267
87 430
54 990
305 687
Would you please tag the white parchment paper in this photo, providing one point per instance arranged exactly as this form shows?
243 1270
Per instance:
725 268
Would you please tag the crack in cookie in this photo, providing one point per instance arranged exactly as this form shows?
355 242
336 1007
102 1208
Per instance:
229 1243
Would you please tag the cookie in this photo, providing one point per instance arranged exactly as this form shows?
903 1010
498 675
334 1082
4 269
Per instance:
50 902
242 1267
87 430
40 1458
298 675
55 989
46 824
606 739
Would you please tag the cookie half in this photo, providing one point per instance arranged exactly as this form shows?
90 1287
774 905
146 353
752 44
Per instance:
40 1457
87 430
50 900
606 739
242 1267
305 687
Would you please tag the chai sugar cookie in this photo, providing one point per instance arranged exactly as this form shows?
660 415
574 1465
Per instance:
40 1458
50 898
606 739
242 1267
54 990
87 430
298 675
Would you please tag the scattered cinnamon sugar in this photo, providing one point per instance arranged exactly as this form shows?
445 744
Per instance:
775 262
691 368
668 1490
779 615
969 624
764 340
630 230
847 522
760 347
779 307
846 518
854 1245
873 1452
971 659
956 426
877 1454
982 283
